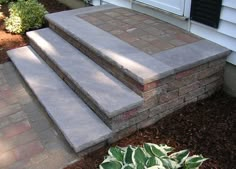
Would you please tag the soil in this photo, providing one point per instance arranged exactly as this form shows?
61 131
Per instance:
10 41
206 127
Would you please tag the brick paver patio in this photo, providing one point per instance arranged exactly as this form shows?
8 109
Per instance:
144 32
28 138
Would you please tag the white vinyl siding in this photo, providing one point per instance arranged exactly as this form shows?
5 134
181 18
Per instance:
225 35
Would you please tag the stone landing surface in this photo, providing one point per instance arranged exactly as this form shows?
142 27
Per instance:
120 37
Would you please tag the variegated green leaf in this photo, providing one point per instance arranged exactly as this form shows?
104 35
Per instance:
169 164
139 166
168 149
180 156
156 167
128 166
148 148
153 161
128 155
139 156
111 165
194 162
158 151
108 159
117 153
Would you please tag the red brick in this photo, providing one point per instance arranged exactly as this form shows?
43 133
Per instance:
28 150
211 78
156 91
184 73
126 116
182 82
169 96
217 62
209 72
15 129
150 86
189 88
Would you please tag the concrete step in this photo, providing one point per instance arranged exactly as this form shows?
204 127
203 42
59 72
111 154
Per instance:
130 65
79 124
107 96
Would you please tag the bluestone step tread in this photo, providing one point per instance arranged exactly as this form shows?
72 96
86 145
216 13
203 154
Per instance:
190 55
79 124
106 92
135 63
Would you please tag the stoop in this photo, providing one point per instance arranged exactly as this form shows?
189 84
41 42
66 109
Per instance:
103 72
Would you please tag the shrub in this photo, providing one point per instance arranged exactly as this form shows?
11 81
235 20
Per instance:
25 15
4 1
150 156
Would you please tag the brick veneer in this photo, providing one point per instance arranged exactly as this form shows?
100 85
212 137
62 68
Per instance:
162 96
173 93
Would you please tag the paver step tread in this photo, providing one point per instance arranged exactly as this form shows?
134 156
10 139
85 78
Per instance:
79 124
140 66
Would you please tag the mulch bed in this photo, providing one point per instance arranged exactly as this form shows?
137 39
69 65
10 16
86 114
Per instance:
11 41
206 127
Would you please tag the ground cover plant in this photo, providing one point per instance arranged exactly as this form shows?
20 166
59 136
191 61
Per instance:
150 156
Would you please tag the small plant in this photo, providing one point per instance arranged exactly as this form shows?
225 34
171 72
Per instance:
25 15
150 156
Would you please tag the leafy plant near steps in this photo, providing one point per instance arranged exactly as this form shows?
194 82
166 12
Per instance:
150 156
25 15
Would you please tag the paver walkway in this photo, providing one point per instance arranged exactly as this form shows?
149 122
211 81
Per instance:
28 138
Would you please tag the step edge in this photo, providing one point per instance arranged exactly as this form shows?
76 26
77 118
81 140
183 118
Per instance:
79 89
76 149
135 76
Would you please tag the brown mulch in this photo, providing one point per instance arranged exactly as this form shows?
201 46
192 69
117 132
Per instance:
10 41
206 127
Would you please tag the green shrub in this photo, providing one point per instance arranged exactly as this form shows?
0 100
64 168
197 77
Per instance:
25 15
4 1
150 156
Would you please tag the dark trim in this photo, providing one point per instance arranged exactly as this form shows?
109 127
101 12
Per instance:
206 12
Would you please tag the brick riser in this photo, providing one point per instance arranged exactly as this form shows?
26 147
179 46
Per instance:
127 80
161 97
175 92
114 123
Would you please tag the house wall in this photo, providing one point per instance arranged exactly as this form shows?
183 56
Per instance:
225 35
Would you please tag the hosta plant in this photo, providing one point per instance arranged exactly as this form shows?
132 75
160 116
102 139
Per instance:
150 156
25 15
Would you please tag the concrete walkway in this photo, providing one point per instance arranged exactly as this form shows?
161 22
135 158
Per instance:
28 138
